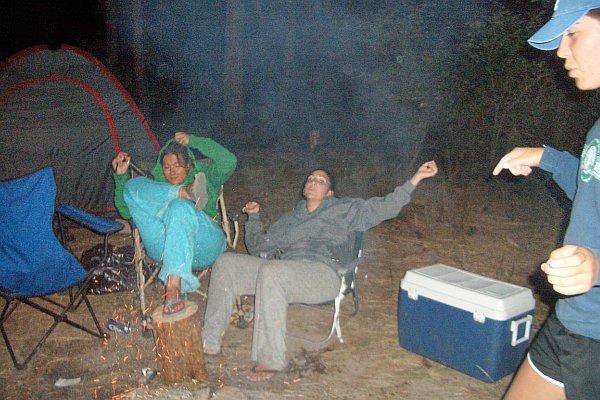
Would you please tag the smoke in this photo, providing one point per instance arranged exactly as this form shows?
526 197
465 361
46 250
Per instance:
366 75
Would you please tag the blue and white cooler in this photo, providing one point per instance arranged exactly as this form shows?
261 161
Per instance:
476 325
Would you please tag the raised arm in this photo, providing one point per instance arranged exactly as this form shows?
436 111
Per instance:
365 214
223 161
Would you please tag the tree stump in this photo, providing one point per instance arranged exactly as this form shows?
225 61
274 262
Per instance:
179 344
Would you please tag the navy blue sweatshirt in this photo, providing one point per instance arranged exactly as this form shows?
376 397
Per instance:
581 183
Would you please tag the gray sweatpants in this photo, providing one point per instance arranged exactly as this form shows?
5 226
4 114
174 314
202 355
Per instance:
275 284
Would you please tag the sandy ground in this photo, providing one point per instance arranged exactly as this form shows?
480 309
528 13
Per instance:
501 230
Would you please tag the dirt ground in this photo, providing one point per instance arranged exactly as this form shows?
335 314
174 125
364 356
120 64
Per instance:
500 229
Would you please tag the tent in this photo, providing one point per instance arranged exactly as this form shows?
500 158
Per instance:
63 108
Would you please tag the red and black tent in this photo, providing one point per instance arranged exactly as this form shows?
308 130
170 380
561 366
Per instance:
63 108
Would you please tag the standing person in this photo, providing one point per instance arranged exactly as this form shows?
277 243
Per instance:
312 242
564 359
183 234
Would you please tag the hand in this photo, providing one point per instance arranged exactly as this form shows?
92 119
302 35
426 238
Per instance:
182 138
571 269
520 160
184 192
121 162
427 170
251 207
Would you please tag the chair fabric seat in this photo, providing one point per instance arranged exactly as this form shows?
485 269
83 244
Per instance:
100 225
33 262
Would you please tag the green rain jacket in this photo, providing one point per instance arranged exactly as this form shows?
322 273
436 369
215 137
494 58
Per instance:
217 173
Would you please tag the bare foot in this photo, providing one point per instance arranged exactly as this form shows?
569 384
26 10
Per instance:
261 373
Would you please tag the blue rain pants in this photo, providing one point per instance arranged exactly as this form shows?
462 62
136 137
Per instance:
172 230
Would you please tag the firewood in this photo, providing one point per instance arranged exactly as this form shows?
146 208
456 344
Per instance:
179 344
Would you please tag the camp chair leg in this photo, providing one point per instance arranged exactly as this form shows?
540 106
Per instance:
236 233
356 299
11 305
62 317
101 333
225 224
6 311
138 260
16 363
335 323
336 320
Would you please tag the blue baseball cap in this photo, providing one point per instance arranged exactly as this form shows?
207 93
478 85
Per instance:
566 13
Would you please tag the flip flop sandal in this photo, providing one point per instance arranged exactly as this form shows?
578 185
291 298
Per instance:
174 306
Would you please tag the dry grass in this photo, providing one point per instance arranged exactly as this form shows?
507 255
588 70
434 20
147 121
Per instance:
495 230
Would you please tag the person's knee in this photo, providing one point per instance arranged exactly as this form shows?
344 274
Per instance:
224 263
181 208
131 187
268 274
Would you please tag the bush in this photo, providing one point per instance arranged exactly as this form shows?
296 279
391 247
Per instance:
506 98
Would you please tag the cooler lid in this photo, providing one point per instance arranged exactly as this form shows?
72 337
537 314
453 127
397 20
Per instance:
468 291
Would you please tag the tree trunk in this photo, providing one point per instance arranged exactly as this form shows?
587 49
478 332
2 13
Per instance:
112 49
234 107
139 25
179 345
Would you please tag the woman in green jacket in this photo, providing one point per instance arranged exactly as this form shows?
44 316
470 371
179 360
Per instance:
183 234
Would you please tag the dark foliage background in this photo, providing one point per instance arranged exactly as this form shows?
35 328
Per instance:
396 81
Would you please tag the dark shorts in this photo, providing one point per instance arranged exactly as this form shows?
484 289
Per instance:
568 359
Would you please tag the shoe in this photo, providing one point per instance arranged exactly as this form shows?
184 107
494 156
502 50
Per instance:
174 306
197 191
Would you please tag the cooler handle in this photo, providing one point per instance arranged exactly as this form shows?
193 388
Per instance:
514 328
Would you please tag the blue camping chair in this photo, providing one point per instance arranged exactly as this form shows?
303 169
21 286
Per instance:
34 264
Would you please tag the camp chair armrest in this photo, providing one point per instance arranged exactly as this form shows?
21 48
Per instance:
234 216
98 224
271 255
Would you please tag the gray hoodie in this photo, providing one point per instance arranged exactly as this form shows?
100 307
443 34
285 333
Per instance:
327 233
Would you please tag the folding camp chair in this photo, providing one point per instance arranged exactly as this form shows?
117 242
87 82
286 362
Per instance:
34 264
140 257
348 274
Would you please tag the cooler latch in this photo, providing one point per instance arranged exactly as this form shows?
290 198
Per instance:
514 328
479 316
412 293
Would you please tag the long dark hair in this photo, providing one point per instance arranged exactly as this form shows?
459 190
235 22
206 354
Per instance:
180 151
595 13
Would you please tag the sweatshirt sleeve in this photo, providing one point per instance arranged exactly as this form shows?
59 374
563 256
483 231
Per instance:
224 162
597 255
119 201
564 168
254 236
371 212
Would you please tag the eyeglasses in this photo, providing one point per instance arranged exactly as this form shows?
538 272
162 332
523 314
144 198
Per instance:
168 168
317 180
